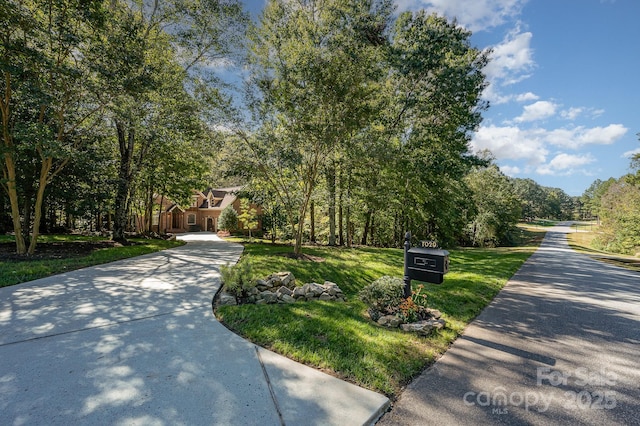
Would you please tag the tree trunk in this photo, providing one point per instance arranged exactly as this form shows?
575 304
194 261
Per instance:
312 213
331 189
42 185
161 230
371 228
365 232
348 212
26 214
340 222
12 192
126 143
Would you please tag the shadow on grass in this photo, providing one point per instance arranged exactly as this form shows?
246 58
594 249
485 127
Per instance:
339 338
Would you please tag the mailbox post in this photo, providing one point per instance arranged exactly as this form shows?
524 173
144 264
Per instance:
407 279
423 264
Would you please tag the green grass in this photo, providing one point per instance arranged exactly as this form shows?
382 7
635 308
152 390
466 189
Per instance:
339 338
14 272
583 242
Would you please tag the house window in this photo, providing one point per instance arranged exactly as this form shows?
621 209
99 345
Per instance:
191 219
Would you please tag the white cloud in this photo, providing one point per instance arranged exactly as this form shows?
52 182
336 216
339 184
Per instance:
577 137
475 15
565 164
512 60
537 111
575 112
631 153
533 145
510 170
572 113
525 97
510 143
603 135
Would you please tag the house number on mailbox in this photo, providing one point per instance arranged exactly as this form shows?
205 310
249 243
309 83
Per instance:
426 263
429 244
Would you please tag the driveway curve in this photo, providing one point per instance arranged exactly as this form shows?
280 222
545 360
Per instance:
135 342
560 344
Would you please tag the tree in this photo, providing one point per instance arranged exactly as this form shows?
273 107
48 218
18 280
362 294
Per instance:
313 64
47 109
497 207
620 214
228 220
249 216
148 46
435 85
592 197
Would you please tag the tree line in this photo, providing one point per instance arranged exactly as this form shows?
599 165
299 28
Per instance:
615 204
352 125
105 104
360 128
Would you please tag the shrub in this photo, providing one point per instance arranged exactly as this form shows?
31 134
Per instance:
383 296
238 279
228 220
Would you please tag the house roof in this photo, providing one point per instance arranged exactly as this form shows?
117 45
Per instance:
173 207
220 198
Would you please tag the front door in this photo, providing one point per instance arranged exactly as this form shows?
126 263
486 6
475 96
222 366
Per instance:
210 224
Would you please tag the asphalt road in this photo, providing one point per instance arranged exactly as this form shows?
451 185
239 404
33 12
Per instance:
560 344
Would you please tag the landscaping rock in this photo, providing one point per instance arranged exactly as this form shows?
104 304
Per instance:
390 321
227 299
316 289
269 296
262 285
287 299
284 290
281 288
326 297
434 313
423 328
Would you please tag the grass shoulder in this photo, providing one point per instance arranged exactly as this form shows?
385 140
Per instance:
338 337
582 241
56 254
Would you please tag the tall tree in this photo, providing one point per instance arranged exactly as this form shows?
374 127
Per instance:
313 67
46 109
497 207
150 43
436 81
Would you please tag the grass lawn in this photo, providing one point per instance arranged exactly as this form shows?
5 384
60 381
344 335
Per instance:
63 256
338 337
582 242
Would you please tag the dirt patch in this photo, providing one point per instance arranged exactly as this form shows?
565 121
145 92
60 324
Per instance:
302 256
55 250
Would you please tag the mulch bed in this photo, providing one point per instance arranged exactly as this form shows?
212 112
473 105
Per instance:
56 250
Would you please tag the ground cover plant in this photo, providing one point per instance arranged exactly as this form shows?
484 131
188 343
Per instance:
62 253
583 242
339 338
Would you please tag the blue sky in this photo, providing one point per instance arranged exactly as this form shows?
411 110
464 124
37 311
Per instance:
564 87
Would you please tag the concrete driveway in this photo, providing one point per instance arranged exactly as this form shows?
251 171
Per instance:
560 345
135 342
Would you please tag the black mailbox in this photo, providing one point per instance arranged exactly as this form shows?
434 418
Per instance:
428 265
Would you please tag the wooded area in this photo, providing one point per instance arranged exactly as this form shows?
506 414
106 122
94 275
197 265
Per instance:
352 125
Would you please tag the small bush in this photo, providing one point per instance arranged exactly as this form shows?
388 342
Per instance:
238 279
228 220
383 296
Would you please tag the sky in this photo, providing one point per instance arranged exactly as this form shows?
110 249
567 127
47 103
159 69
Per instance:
564 84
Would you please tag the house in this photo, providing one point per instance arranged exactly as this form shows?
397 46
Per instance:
202 214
